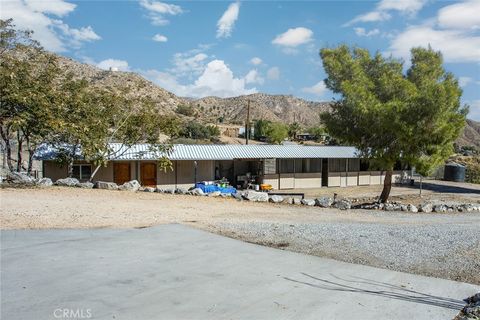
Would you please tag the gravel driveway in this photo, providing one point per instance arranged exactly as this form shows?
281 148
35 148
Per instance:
449 251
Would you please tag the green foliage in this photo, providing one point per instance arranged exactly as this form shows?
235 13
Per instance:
277 132
261 128
293 130
390 116
186 110
42 104
318 132
198 131
171 125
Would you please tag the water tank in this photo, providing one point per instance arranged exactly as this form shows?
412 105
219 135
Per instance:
454 172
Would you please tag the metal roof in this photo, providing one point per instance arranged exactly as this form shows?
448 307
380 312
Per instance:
230 152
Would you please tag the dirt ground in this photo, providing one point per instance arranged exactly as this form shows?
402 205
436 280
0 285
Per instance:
59 207
388 233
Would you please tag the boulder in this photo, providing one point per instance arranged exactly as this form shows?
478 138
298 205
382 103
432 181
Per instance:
44 182
170 191
132 185
403 207
149 189
256 196
238 196
308 202
412 208
343 204
441 208
214 194
467 207
181 191
197 192
426 207
67 182
294 200
20 178
106 185
324 202
391 207
84 185
275 198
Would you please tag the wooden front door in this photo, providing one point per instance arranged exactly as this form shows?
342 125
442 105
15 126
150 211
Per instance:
121 173
148 174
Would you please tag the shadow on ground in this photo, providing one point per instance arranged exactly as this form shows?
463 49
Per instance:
376 288
443 188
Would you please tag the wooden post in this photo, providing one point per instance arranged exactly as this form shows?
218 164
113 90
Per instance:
247 124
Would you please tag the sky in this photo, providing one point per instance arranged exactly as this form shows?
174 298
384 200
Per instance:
225 48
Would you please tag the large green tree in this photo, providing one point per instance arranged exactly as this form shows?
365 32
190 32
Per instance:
27 88
389 115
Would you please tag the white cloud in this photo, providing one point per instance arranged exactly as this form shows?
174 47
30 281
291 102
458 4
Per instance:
216 79
256 61
464 15
59 8
159 38
158 10
294 37
273 73
52 33
381 12
189 63
318 89
369 17
253 76
114 64
361 32
454 32
404 6
455 45
227 21
464 81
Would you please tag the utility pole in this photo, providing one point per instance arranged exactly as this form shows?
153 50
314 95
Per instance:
247 124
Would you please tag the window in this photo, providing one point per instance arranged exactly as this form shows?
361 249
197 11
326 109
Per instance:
337 165
286 165
364 165
82 171
353 165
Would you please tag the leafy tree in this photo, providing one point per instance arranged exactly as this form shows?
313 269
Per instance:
27 88
213 131
185 110
318 132
277 132
391 116
261 128
293 130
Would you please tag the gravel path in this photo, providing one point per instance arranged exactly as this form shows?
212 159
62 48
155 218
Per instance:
443 250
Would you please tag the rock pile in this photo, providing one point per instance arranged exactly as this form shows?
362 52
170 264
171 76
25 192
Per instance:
472 310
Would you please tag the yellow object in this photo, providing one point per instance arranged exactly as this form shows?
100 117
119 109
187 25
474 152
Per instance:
266 187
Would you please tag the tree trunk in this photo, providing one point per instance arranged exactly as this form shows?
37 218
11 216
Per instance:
94 173
19 151
8 147
387 186
71 160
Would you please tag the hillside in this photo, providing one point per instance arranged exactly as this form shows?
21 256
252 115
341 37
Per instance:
284 108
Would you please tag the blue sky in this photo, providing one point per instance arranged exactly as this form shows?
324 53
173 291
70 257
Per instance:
197 48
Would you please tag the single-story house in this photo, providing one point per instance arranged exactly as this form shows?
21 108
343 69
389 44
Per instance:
282 166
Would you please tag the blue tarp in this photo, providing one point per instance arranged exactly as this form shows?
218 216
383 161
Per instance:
211 188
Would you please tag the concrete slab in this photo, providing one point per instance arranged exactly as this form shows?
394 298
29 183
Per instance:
177 272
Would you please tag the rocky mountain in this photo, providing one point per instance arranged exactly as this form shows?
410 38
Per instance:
471 134
284 108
